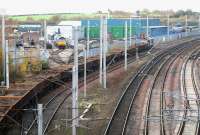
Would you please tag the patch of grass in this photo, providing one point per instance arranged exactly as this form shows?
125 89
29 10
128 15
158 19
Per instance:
67 16
80 131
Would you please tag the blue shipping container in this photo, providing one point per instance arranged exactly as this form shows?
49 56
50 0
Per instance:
120 22
158 31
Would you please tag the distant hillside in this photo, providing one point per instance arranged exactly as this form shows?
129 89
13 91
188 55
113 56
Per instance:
38 17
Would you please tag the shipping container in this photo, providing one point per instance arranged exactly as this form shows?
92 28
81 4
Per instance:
116 27
94 32
121 22
116 32
158 31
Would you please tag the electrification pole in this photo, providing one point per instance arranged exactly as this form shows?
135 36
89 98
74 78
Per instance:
45 34
88 36
85 72
74 116
15 57
125 51
75 119
3 46
101 51
168 28
7 65
130 31
104 53
186 24
199 23
40 119
76 69
147 27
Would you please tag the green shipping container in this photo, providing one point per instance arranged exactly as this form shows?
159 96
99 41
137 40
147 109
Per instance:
94 32
117 32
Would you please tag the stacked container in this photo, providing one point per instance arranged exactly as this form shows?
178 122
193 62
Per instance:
116 27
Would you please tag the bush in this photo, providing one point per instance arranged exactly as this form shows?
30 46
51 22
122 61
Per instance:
45 65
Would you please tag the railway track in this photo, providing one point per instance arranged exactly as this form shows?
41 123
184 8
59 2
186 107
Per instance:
191 93
118 123
155 101
66 95
53 104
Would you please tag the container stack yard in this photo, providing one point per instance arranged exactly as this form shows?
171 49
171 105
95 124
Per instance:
103 74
